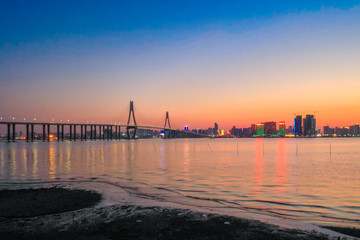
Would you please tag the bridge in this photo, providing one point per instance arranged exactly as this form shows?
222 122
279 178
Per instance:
96 131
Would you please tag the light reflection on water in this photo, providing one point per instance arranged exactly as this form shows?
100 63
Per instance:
267 174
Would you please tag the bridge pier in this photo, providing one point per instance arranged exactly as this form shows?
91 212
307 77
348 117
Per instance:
48 130
58 132
43 134
32 132
62 132
70 135
13 132
94 129
75 132
8 132
27 132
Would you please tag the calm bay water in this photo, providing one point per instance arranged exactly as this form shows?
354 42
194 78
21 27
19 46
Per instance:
295 178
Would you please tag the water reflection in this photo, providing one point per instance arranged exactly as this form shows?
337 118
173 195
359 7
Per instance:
35 162
68 159
281 171
51 162
12 156
162 159
208 169
258 170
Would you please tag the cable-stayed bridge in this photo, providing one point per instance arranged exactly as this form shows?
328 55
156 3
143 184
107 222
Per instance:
91 131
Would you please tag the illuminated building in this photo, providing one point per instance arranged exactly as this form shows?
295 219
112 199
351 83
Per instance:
260 129
253 129
298 125
309 126
270 128
354 130
186 128
281 129
216 128
328 131
342 131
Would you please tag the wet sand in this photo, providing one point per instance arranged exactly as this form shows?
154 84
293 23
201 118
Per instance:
114 217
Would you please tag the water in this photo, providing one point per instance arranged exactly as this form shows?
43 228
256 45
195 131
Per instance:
292 178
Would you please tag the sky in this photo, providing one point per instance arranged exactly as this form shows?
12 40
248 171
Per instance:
230 62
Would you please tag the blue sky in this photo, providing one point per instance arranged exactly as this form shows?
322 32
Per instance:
207 61
33 21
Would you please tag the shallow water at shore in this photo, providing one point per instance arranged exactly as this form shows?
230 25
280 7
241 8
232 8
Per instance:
292 178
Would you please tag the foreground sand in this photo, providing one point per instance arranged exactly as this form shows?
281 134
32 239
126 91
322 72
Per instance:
116 217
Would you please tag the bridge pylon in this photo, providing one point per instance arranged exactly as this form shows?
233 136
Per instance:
167 122
129 126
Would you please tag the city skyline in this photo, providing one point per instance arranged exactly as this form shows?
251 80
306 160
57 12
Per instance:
236 65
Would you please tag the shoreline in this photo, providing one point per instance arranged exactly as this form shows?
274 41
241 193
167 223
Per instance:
119 205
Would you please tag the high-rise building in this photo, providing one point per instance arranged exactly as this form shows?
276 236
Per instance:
309 126
216 129
328 131
298 125
253 129
354 130
282 128
260 129
270 128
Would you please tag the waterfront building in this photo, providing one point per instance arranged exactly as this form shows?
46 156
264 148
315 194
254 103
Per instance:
216 128
342 131
328 131
289 130
354 130
270 128
253 129
282 128
260 129
309 124
298 125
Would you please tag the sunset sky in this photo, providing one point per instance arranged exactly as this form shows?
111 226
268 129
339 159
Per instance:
231 62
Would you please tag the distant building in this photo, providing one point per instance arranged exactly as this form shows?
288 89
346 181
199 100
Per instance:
298 125
247 132
354 130
270 128
282 128
260 131
342 131
253 129
289 130
328 131
309 126
236 132
216 128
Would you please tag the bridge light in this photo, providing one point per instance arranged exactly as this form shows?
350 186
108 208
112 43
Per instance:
0 118
24 119
13 118
34 119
